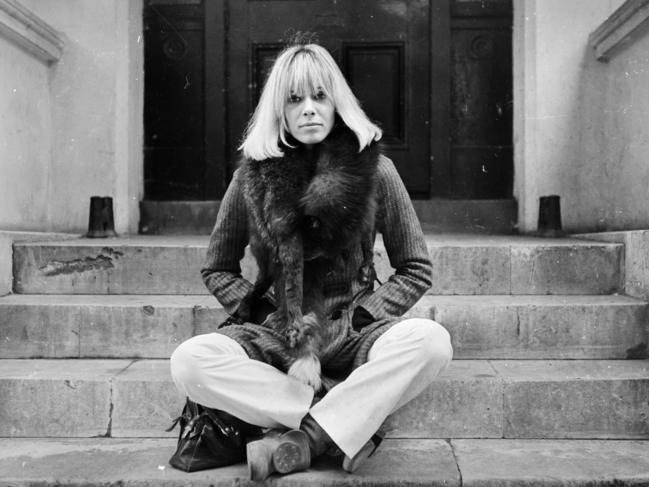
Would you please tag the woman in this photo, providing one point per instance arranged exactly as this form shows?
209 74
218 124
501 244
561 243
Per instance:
381 361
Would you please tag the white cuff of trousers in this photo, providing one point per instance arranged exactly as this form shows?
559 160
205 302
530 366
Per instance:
402 363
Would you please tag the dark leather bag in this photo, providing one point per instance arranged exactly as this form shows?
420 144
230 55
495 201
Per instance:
209 438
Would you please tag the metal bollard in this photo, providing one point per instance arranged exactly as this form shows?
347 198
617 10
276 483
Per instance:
549 224
101 222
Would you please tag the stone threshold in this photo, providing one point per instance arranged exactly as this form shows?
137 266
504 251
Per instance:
410 462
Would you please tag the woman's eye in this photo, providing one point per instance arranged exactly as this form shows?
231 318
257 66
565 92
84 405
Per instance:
320 95
294 99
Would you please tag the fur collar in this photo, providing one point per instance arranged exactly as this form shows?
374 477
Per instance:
325 193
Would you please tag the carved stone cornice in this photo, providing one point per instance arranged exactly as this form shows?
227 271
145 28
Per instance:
28 31
627 23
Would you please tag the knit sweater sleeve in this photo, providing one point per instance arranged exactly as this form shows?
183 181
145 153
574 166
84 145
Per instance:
405 245
222 270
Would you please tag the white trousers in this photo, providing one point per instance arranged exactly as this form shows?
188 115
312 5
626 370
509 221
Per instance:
214 370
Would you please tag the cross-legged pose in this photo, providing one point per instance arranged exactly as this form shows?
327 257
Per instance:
371 360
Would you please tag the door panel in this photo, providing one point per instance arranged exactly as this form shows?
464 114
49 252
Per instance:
481 154
174 152
366 66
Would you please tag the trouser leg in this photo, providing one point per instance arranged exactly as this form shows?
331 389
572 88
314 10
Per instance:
215 371
401 364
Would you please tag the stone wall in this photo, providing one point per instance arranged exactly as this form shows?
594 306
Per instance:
77 122
579 123
25 123
610 163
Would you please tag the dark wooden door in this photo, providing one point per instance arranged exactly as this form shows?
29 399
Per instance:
480 162
435 74
383 48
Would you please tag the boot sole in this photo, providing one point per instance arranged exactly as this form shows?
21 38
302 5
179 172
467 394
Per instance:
286 453
292 453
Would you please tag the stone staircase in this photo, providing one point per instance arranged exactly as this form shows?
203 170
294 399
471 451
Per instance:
549 385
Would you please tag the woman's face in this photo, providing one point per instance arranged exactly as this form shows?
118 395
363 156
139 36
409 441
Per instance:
309 117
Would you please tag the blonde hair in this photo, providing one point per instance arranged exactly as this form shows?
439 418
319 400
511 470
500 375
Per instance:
302 69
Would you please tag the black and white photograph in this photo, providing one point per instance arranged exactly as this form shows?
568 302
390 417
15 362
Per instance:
331 243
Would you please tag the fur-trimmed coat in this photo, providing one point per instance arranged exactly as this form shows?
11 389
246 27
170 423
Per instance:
324 194
395 220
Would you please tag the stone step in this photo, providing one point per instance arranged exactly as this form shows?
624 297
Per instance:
495 326
462 264
108 462
198 217
541 327
573 399
107 326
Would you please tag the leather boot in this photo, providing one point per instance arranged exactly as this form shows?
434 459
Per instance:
278 452
319 440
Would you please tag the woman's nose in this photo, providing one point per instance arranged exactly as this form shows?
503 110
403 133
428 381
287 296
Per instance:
308 107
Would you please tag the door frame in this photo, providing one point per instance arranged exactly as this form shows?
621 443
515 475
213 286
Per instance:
216 101
440 98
